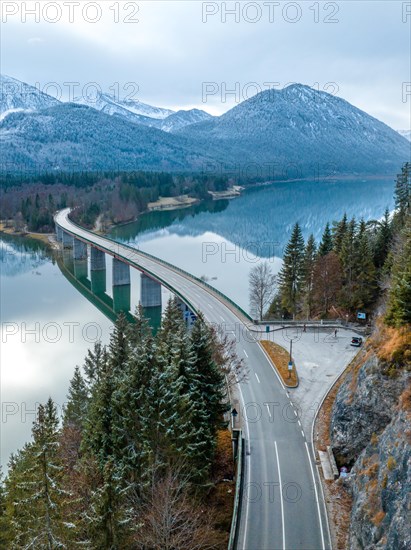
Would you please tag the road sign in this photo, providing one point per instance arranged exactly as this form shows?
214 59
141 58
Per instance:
267 328
361 315
290 366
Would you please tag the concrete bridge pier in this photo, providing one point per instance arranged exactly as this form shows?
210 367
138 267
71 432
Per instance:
150 300
97 270
67 240
79 249
121 286
150 291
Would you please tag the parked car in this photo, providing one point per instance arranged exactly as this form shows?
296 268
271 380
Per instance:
356 341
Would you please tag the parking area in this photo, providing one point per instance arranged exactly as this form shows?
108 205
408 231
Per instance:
320 356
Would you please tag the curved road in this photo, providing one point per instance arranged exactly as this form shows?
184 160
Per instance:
282 506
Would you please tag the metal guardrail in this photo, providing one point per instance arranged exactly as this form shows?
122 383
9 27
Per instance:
238 490
175 268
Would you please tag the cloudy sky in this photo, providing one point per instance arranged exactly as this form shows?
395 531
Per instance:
169 53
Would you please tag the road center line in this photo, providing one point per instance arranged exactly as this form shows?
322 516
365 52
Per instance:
281 493
256 375
245 353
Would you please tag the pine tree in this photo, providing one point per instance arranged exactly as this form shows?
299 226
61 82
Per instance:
383 240
399 298
211 379
93 364
338 233
39 521
119 344
291 275
310 255
5 527
326 244
105 515
403 189
347 258
77 402
364 274
129 400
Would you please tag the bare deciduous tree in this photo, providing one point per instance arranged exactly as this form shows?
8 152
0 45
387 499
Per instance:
169 518
226 357
262 288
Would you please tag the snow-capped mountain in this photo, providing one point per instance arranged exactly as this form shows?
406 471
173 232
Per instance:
135 111
19 96
182 118
303 133
71 137
298 131
142 113
405 133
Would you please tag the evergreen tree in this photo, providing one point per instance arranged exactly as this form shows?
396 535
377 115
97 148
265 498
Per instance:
399 298
338 233
364 274
291 276
105 515
347 258
211 378
310 255
119 344
403 189
383 240
77 402
326 244
93 363
37 475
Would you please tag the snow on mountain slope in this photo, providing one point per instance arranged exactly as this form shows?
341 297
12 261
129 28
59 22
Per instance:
302 131
16 95
135 111
182 118
405 133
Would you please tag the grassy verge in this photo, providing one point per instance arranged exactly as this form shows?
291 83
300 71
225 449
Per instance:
280 357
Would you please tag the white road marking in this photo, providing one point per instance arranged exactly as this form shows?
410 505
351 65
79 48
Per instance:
268 409
299 423
302 433
316 497
222 318
295 412
256 375
248 472
245 353
210 306
281 493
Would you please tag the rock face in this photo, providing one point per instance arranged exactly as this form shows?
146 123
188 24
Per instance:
371 431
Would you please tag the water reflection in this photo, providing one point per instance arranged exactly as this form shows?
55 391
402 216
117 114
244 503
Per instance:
47 327
222 240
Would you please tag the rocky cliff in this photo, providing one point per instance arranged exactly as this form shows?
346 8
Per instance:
371 434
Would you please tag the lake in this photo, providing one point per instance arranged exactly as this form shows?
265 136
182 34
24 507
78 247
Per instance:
49 322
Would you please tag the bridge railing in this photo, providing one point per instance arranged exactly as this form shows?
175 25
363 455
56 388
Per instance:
175 268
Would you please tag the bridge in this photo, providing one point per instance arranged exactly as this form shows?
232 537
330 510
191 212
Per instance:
282 506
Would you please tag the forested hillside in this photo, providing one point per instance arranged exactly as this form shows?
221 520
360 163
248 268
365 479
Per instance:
349 270
133 464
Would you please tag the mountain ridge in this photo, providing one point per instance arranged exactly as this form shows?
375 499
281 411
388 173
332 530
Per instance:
302 132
